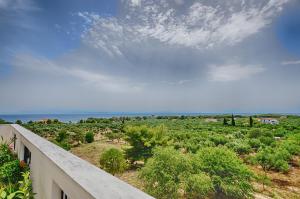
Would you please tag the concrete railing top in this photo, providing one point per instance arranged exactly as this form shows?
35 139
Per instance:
93 180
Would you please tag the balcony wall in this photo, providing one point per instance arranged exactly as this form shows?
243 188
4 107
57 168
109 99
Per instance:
54 170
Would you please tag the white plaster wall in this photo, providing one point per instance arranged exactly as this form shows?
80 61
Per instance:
53 168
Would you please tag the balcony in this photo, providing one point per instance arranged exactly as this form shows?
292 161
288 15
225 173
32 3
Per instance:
57 173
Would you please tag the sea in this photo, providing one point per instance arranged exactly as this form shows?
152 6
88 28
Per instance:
75 117
78 116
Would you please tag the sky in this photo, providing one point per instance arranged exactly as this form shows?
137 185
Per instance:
209 56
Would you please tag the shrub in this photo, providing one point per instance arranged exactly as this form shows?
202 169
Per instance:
78 136
254 133
291 146
23 191
273 159
25 186
163 173
63 144
213 171
230 177
239 146
113 161
10 172
62 135
5 154
198 186
89 137
266 140
19 122
3 121
219 139
254 143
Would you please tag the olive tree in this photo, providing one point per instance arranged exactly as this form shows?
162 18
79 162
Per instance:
230 177
143 139
164 172
113 161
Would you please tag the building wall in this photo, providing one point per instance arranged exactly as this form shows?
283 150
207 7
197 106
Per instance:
54 169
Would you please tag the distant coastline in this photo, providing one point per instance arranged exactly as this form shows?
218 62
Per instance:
78 116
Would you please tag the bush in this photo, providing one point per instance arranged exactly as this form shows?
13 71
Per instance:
291 146
5 154
273 159
10 172
19 122
63 144
89 137
113 161
254 143
62 135
164 172
254 133
230 177
198 186
213 172
23 191
266 140
240 147
219 139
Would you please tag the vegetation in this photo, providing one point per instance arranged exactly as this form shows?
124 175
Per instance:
14 176
113 161
215 156
143 140
89 137
230 177
251 121
22 190
232 120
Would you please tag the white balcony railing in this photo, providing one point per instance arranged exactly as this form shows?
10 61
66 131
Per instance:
56 172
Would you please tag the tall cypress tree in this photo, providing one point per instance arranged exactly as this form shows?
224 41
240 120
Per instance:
232 120
225 123
251 121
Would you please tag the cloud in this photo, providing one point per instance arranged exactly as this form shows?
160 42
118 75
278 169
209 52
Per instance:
199 25
227 73
24 5
179 2
91 78
291 62
135 2
160 55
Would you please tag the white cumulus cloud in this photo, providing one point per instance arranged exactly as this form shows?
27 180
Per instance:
227 73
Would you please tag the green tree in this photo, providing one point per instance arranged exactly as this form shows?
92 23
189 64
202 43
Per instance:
163 174
273 159
230 177
89 137
251 121
113 161
30 122
143 139
232 120
225 122
19 122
